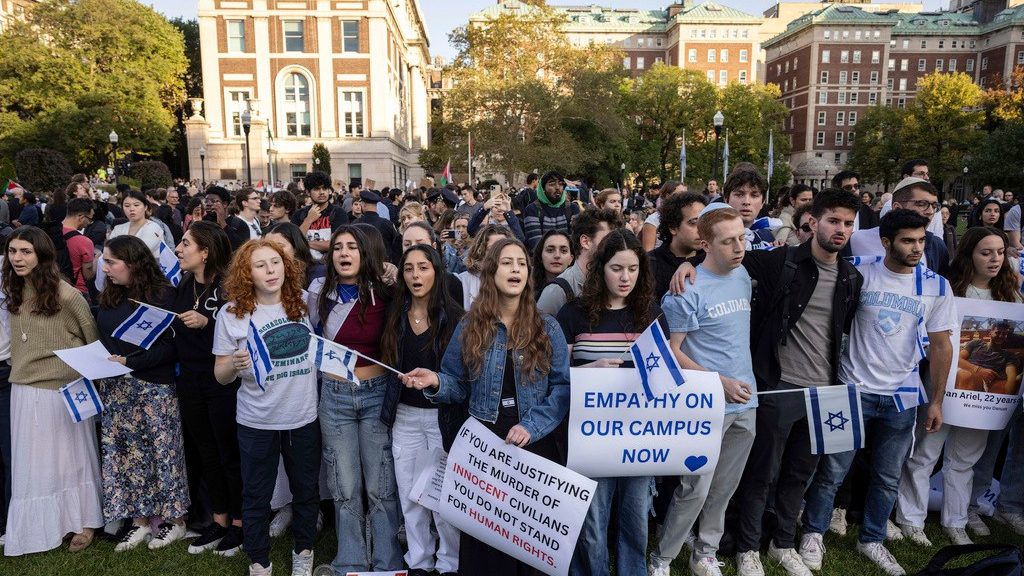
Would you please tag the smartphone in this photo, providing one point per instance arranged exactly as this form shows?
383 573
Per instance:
450 234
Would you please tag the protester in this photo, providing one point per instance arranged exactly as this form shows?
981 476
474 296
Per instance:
420 233
136 208
553 255
590 228
677 229
5 403
410 212
990 213
470 278
649 232
290 237
80 249
245 225
799 195
550 211
609 198
802 221
392 239
496 210
320 218
282 206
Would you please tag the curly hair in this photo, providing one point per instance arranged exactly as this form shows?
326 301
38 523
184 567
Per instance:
595 294
671 212
44 278
961 271
526 334
478 248
147 282
239 288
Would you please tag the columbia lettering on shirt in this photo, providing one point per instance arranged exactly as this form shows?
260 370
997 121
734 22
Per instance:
610 338
714 314
288 400
883 344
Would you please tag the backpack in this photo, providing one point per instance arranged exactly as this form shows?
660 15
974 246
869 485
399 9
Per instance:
1003 560
564 285
55 230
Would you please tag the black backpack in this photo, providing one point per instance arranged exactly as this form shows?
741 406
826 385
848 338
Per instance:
55 230
1002 560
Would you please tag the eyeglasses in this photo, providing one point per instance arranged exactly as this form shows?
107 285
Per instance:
924 204
805 227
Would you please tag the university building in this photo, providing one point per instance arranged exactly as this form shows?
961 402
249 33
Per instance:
351 75
14 9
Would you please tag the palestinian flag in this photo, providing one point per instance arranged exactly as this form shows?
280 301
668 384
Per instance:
446 176
12 185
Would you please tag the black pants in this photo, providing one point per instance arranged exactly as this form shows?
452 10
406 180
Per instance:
5 443
260 451
781 456
208 418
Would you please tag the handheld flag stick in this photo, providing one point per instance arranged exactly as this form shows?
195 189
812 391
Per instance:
367 358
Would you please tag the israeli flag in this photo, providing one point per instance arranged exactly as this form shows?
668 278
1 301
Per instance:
653 359
81 399
169 264
333 358
259 355
911 393
835 419
144 326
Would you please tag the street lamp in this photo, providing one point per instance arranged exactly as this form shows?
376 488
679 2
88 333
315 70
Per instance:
202 161
965 181
718 120
270 164
246 126
622 178
113 142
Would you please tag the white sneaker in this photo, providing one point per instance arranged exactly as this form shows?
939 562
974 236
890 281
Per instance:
169 532
749 564
282 520
976 525
958 536
658 568
706 566
1014 520
302 563
788 559
3 540
915 535
892 532
257 570
838 523
878 554
133 537
812 550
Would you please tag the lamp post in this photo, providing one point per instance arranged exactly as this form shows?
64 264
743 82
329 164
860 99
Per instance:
718 121
965 182
113 143
824 184
270 165
202 162
622 177
246 126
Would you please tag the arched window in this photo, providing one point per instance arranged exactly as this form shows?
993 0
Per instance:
296 105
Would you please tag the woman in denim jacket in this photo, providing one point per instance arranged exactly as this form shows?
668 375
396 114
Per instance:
510 363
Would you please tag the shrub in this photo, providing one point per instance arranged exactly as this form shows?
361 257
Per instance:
151 174
41 170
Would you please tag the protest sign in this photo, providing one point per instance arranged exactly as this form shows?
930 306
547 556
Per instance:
983 390
615 431
514 501
426 491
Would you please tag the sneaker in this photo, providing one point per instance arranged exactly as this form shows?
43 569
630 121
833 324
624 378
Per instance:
688 541
976 525
168 532
788 559
838 523
302 563
231 543
958 536
208 540
706 566
133 536
812 550
282 520
257 570
892 532
915 535
3 540
878 554
1014 520
658 568
749 564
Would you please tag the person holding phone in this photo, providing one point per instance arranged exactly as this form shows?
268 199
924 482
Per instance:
497 210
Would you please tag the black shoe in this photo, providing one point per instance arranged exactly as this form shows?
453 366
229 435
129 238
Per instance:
208 539
420 572
231 543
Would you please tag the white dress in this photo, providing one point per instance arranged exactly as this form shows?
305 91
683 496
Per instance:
151 233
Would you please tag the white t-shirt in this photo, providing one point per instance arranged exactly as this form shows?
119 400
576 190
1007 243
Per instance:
655 220
151 233
882 349
289 399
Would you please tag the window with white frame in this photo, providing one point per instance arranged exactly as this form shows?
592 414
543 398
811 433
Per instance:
825 56
856 56
906 44
941 44
640 63
901 102
658 59
787 66
970 65
796 60
785 85
294 35
889 83
843 76
892 63
296 105
952 64
352 114
840 118
711 75
350 36
723 76
984 62
939 64
822 97
828 34
820 139
852 117
744 56
849 137
844 56
625 62
821 118
712 54
921 65
876 56
298 171
237 102
903 84
691 54
904 65
855 77
824 77
842 97
924 44
874 76
856 35
723 55
873 98
236 35
743 76
846 34
839 138
854 97
1020 57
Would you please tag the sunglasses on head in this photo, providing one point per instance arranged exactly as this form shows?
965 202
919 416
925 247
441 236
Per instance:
805 228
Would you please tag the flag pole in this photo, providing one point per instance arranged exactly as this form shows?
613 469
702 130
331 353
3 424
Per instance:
367 358
157 308
766 392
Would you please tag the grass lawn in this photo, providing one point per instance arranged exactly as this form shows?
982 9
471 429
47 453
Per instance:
100 559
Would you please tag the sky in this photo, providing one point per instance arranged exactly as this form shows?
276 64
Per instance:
443 15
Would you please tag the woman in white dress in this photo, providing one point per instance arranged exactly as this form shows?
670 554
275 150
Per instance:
136 208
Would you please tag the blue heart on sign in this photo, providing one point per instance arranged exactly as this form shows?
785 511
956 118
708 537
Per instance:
695 463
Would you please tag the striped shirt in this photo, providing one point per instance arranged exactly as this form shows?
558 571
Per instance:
610 338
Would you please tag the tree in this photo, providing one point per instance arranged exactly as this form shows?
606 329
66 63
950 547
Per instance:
193 76
151 174
322 158
999 159
1004 103
751 112
942 122
41 170
76 69
878 151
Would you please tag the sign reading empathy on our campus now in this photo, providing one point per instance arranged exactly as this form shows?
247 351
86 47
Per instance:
517 502
615 431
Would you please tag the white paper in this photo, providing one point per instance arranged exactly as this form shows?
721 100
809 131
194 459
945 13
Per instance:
91 361
426 491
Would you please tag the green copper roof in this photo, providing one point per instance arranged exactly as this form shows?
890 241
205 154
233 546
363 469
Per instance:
600 17
1009 17
934 23
712 11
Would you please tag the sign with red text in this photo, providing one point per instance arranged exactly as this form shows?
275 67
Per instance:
514 501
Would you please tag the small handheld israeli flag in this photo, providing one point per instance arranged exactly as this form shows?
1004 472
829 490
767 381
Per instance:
259 355
654 361
910 393
835 419
144 326
169 264
81 399
333 358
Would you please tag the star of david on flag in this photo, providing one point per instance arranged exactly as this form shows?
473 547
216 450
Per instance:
81 399
654 361
259 355
835 419
144 326
169 264
333 358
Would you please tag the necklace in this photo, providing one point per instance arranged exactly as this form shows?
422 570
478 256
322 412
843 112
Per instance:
21 328
197 297
418 321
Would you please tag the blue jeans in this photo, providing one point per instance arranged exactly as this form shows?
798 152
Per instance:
1011 482
635 496
357 451
890 435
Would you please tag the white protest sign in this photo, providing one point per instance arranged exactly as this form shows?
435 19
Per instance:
514 501
984 390
615 431
426 491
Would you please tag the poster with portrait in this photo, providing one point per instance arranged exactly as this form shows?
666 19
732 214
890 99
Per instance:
988 349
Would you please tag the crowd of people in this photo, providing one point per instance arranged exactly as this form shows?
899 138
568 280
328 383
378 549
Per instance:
483 300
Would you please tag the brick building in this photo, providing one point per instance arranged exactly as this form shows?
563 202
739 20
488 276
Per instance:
12 9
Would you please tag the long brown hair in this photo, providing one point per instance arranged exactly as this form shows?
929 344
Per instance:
1003 286
371 270
147 281
239 288
526 334
478 247
594 297
44 278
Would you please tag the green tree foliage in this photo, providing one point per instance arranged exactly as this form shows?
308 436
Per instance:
193 76
942 122
151 174
999 159
751 112
41 170
878 151
77 69
322 158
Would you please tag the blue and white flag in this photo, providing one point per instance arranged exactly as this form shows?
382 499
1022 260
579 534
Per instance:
333 358
682 160
835 419
81 399
169 264
259 355
771 157
911 393
144 326
725 158
653 359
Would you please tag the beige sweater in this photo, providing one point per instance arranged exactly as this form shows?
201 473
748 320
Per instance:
32 361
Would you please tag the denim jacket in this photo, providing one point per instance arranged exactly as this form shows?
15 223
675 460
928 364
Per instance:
543 403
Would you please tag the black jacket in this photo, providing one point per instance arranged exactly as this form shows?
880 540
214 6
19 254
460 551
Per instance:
237 231
663 265
392 239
